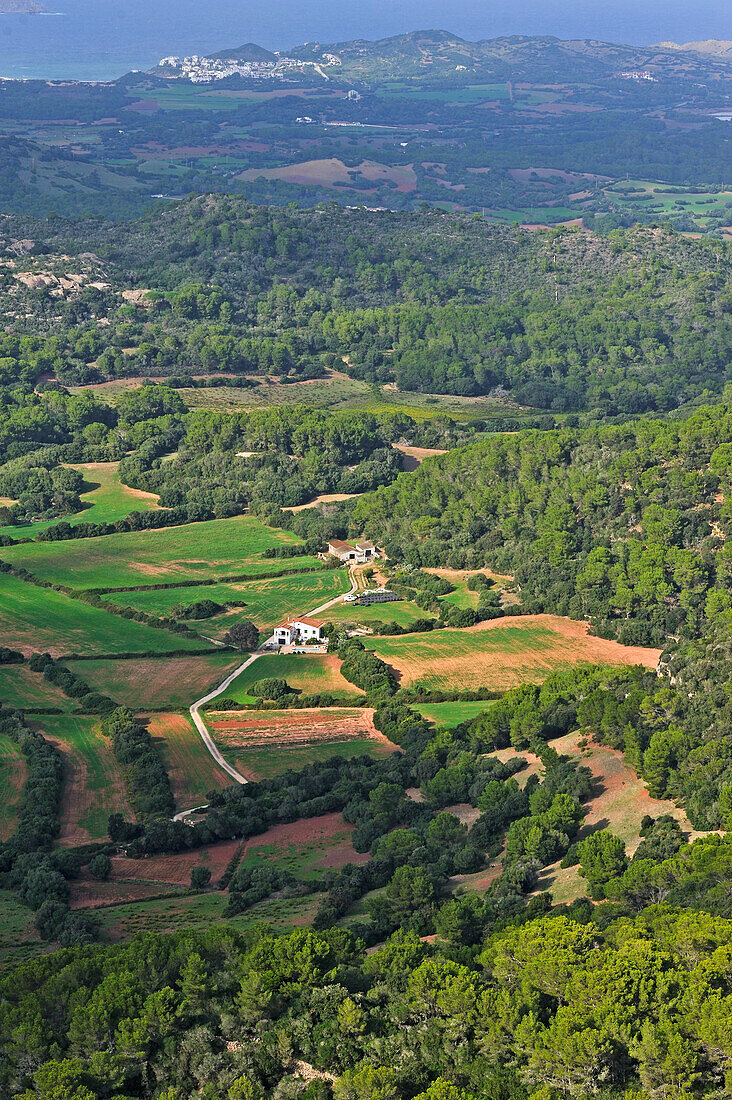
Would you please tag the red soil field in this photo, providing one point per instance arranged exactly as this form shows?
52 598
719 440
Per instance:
329 831
289 728
175 870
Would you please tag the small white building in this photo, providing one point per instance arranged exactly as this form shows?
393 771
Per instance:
297 631
358 552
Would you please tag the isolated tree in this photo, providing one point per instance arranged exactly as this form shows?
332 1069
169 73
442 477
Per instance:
243 635
200 878
100 867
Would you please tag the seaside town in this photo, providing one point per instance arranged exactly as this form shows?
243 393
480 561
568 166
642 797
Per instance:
204 70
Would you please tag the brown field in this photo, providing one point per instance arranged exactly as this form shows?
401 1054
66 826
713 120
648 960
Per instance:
534 765
331 171
503 653
324 498
310 844
412 457
525 174
193 772
299 736
146 683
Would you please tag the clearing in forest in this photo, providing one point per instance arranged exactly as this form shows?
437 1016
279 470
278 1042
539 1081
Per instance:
39 620
264 743
151 683
195 551
449 715
619 803
13 773
105 499
307 673
502 653
267 601
193 771
94 785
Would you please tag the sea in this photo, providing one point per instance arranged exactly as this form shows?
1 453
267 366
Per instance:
104 39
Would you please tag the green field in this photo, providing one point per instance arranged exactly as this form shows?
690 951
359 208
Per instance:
403 612
94 785
120 922
39 620
105 497
197 551
193 771
305 673
471 93
150 683
497 656
268 601
449 715
12 777
21 688
18 937
265 764
666 200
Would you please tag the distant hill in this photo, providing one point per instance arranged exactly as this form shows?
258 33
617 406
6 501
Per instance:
21 7
712 45
250 52
438 53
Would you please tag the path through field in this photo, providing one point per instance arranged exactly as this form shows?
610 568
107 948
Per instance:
195 710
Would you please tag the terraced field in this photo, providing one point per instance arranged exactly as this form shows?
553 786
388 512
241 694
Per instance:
197 551
502 653
39 620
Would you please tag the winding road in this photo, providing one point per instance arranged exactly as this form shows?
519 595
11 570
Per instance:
195 709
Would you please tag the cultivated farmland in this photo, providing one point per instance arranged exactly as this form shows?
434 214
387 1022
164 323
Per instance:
94 786
12 777
305 848
450 715
265 743
150 683
307 673
39 620
27 690
197 551
502 653
193 772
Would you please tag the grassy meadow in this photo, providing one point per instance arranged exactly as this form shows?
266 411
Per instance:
306 673
268 601
13 773
106 499
196 551
449 715
39 620
27 690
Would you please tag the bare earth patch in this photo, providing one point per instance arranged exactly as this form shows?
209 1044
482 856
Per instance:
283 729
412 457
328 831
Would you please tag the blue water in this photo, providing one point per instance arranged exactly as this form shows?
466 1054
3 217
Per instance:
102 39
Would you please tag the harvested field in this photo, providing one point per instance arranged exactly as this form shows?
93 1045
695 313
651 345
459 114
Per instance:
305 848
412 457
332 171
620 802
13 772
192 770
34 619
175 870
147 683
324 498
502 653
299 737
94 786
27 690
195 551
307 673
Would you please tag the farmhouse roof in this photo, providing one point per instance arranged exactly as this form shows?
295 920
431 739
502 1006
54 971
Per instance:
307 621
338 544
365 544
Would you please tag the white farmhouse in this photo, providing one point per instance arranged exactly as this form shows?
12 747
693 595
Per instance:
297 631
353 552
